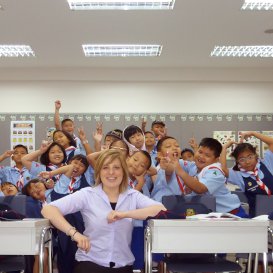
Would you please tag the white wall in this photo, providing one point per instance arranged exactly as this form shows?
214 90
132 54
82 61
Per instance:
198 91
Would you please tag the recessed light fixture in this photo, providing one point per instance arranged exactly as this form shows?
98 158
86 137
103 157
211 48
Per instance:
118 4
243 51
258 5
16 51
96 50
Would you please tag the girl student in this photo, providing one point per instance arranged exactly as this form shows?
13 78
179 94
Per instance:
72 178
253 175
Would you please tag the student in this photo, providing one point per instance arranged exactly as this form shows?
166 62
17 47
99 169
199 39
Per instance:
17 174
68 126
134 137
8 189
72 178
38 190
187 154
150 143
107 210
52 156
121 145
158 128
251 174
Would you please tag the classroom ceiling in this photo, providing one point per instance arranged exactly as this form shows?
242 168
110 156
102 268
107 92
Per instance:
188 34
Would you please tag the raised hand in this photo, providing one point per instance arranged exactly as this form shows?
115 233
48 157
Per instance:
58 104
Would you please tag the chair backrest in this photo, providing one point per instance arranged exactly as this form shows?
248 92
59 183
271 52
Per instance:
16 203
190 205
263 204
241 195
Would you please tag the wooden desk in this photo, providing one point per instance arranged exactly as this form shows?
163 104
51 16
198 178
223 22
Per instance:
24 238
205 236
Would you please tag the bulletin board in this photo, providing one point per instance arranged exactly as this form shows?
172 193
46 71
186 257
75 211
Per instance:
181 126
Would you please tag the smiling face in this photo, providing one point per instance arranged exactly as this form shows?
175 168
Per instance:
203 157
37 191
68 126
137 164
111 174
61 139
158 129
149 139
56 155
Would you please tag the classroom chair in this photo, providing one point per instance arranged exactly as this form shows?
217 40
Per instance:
195 262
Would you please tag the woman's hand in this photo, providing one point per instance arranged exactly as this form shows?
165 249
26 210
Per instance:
115 215
82 241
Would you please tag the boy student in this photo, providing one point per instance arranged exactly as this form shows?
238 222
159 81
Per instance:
158 128
8 189
17 174
209 177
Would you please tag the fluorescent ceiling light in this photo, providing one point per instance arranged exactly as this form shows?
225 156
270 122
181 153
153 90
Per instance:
118 4
16 51
258 5
242 51
96 50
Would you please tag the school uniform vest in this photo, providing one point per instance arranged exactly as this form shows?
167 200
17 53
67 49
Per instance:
252 188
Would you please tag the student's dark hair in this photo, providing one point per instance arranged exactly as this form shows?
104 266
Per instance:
148 157
120 141
20 146
242 147
65 120
131 130
82 159
213 144
149 132
72 142
187 150
44 159
26 188
161 141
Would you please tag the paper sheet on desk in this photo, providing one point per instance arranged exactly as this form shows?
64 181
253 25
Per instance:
261 217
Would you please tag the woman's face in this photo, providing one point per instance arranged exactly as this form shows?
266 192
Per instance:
111 174
56 155
247 160
61 139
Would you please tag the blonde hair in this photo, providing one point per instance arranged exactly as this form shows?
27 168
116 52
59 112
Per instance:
111 155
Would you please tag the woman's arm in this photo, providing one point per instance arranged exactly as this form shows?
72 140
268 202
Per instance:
56 218
140 214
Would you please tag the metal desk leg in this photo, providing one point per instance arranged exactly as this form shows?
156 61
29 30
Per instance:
265 262
256 263
249 263
147 250
45 237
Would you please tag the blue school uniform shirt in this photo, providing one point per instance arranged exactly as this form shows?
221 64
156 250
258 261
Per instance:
236 177
109 242
214 179
79 145
162 187
12 174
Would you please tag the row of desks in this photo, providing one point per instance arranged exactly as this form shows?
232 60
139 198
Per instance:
162 236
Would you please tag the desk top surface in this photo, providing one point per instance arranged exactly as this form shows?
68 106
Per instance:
207 222
25 223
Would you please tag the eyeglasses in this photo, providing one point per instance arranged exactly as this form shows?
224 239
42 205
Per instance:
245 159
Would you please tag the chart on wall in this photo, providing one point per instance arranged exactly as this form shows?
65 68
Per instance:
255 142
22 132
265 146
223 137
